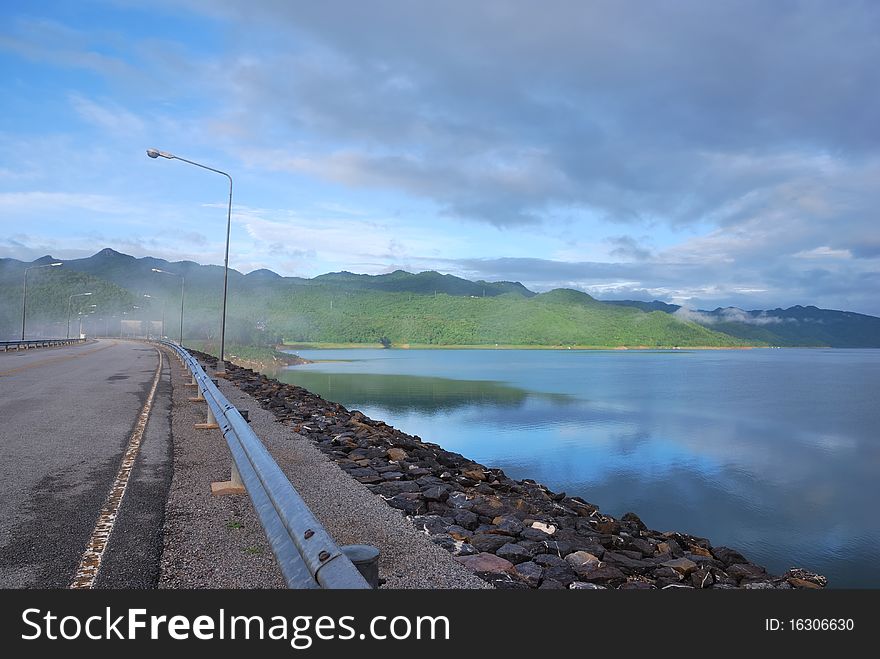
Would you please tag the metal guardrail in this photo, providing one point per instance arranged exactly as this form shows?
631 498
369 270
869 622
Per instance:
307 555
37 343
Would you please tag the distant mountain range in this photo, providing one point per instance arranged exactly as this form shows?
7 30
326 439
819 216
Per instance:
423 308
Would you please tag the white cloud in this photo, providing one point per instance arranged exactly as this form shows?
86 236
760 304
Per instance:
38 201
108 116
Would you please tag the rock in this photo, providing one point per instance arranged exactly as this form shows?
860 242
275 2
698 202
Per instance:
445 541
459 533
459 500
365 475
759 585
683 566
490 506
391 475
505 581
580 558
513 553
704 561
439 508
396 454
802 583
488 542
549 560
740 571
390 488
431 524
485 562
622 560
605 574
636 585
548 529
608 527
702 578
699 551
583 585
632 518
439 493
428 481
465 518
474 474
669 547
464 549
728 556
801 574
643 546
534 534
560 573
530 573
507 525
409 502
550 584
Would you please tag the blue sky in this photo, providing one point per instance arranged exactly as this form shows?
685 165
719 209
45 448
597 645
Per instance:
708 154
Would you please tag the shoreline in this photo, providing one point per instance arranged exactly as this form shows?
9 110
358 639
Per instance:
501 346
512 533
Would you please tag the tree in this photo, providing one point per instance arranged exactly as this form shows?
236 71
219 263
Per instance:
385 341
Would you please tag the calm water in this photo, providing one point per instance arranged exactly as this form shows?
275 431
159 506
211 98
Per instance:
773 452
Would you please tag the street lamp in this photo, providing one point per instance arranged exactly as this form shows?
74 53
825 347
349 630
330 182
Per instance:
83 314
69 300
182 282
24 291
155 153
149 322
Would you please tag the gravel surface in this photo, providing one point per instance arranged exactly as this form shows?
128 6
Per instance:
203 550
209 542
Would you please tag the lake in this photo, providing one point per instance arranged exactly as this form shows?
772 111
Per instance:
773 452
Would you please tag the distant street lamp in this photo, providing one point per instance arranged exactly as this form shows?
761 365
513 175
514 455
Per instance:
83 314
149 322
24 291
155 153
182 283
69 300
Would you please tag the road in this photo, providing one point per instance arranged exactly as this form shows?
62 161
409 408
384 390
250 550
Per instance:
67 417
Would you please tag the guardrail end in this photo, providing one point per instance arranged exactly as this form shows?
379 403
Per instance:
366 560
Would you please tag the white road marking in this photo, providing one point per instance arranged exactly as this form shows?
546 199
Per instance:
90 563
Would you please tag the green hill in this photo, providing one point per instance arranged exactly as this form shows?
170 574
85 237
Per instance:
424 308
796 326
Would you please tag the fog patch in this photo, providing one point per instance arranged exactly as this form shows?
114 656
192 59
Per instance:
727 315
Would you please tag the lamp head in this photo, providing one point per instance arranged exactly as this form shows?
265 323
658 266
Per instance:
56 264
155 153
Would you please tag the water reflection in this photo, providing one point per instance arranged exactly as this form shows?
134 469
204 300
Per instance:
408 393
773 452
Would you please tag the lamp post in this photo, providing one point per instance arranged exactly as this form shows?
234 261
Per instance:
69 300
24 291
149 322
82 314
155 153
182 283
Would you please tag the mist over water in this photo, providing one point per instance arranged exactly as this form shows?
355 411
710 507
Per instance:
773 452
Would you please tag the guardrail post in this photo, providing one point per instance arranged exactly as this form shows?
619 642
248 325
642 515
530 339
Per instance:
198 397
210 424
233 486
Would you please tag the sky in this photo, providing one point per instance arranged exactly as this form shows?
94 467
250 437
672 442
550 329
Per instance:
705 154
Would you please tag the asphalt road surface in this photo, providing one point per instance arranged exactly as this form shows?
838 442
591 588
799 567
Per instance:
66 418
